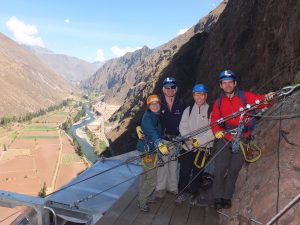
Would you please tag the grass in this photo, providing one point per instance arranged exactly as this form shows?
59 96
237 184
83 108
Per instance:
40 128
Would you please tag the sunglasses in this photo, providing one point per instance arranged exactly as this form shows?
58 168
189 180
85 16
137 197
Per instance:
169 88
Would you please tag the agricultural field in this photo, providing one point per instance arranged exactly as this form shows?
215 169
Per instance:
35 153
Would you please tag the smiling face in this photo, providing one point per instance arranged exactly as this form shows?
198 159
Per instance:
228 86
200 98
170 91
154 107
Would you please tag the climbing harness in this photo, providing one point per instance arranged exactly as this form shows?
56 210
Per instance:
201 157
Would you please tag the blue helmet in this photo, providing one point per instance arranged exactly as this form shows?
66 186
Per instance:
199 88
227 75
169 82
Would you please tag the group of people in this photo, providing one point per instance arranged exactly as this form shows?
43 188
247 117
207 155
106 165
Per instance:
168 129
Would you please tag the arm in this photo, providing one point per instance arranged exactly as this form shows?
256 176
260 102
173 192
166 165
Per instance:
215 116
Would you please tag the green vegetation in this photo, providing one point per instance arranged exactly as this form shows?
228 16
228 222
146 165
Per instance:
40 128
77 146
99 146
42 192
69 158
29 116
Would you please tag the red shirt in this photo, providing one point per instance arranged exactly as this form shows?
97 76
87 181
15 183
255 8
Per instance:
232 105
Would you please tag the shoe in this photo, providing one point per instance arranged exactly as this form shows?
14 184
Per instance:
152 199
193 200
226 203
181 198
218 203
202 203
160 194
173 192
144 207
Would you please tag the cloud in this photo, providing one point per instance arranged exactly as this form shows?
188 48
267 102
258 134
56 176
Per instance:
182 31
117 51
67 21
100 55
24 33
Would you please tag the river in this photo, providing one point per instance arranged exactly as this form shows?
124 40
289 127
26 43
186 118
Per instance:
86 147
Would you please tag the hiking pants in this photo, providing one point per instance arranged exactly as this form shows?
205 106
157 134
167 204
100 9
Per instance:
147 183
227 163
167 174
187 172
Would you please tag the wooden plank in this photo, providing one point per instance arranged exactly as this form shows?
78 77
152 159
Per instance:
129 214
116 210
196 216
146 218
211 216
180 214
165 211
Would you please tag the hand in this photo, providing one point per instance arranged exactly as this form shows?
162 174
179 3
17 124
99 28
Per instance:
163 149
139 132
219 134
269 96
196 143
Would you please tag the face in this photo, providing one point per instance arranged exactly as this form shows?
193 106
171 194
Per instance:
170 91
228 86
154 107
200 98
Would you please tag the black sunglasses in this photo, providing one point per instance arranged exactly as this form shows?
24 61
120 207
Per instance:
172 87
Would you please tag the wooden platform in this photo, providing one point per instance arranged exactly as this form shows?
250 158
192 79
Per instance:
126 212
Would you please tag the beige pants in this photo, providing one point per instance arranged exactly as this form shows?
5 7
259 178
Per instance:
167 179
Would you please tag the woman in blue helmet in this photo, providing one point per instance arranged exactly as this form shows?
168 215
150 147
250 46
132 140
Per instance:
194 117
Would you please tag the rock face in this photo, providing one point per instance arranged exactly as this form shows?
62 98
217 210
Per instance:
259 39
27 85
123 79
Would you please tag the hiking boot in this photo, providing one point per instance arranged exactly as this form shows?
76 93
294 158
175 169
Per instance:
181 198
144 208
202 202
218 203
173 192
193 200
152 199
226 203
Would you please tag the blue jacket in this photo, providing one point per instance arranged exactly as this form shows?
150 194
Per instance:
171 119
152 129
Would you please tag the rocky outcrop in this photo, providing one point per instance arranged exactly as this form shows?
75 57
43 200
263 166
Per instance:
27 85
260 41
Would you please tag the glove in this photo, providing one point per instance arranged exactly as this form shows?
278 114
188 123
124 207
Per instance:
269 96
163 149
196 143
139 132
219 134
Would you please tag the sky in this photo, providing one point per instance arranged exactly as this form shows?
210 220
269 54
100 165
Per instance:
98 30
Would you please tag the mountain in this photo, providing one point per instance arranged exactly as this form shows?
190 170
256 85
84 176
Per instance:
71 68
122 78
26 83
260 41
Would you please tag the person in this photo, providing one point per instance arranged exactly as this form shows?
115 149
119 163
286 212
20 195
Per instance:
194 117
171 110
150 144
230 159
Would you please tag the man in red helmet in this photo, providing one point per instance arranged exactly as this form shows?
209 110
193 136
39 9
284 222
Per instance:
230 159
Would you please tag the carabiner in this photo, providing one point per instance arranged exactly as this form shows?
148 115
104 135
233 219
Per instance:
288 90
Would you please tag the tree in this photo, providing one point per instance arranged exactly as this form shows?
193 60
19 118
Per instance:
42 192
